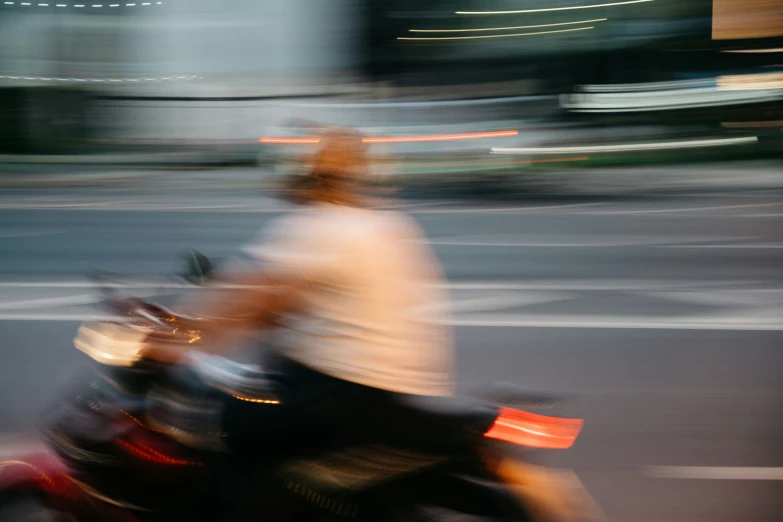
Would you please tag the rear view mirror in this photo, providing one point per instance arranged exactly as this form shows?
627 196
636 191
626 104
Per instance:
196 267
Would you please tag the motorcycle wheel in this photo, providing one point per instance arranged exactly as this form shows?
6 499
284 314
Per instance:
28 508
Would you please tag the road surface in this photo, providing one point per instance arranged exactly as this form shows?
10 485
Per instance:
662 317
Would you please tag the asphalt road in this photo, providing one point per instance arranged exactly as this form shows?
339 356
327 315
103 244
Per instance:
661 317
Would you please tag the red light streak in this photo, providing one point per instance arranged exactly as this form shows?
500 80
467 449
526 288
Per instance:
535 431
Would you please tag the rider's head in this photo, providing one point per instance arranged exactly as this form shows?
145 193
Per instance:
339 170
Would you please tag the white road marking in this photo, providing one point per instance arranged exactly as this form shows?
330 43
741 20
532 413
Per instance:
502 302
740 247
649 243
50 302
514 321
102 207
258 209
679 210
613 322
500 210
130 285
715 473
267 207
57 317
742 298
577 284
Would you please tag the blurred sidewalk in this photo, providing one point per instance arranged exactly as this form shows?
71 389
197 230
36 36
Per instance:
729 176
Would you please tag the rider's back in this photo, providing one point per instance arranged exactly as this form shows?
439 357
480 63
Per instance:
373 302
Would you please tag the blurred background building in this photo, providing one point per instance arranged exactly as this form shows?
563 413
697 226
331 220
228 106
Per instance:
90 77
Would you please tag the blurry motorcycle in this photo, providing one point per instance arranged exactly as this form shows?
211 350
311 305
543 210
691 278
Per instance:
137 440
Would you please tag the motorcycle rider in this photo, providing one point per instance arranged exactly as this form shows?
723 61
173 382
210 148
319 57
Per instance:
356 297
357 300
356 292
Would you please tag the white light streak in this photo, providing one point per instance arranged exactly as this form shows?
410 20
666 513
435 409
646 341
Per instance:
631 146
551 8
780 50
503 28
97 79
494 35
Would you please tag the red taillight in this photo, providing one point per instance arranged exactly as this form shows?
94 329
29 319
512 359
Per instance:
535 431
144 452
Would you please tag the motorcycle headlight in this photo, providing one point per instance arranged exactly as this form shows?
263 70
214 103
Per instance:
113 344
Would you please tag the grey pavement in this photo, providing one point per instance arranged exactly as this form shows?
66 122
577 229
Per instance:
661 318
435 182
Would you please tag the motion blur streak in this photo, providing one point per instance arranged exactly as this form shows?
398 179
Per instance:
292 141
146 453
742 51
403 139
442 137
635 146
551 8
504 28
496 35
741 82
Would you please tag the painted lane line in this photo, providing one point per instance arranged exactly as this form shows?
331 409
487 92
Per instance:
487 244
749 247
51 302
71 317
503 301
614 322
680 210
502 210
413 209
251 208
714 473
577 284
511 321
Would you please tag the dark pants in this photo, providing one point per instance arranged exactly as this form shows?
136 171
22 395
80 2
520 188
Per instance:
318 414
318 410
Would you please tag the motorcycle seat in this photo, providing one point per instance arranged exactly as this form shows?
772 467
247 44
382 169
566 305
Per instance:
450 415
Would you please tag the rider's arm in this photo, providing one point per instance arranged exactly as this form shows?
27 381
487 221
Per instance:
236 303
250 295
